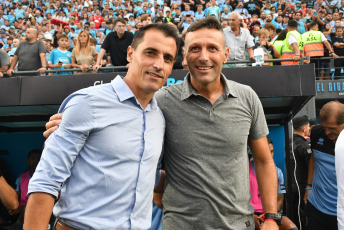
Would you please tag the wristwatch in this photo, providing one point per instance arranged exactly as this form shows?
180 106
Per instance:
277 217
44 66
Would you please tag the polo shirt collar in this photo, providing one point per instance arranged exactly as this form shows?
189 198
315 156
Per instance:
188 90
124 93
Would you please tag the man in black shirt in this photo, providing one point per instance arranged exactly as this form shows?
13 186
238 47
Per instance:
116 43
338 47
252 7
302 152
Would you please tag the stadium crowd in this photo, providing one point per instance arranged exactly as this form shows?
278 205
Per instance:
316 26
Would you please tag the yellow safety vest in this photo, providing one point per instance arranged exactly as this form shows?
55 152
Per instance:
287 52
313 45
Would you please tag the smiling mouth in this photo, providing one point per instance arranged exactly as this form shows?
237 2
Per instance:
204 67
155 75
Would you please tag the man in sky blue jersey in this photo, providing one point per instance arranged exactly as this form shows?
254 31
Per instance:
104 156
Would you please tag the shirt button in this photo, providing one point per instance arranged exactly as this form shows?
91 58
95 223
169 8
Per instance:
138 189
132 216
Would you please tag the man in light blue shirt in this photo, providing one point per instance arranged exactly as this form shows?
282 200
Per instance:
104 156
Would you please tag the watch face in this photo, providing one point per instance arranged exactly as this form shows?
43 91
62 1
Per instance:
275 216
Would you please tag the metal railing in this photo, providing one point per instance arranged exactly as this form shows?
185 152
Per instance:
248 63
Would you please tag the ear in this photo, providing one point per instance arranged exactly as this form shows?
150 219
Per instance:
226 55
130 52
184 53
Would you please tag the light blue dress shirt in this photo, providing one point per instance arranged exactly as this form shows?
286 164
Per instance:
104 155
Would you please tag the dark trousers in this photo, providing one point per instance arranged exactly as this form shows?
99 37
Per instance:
338 64
318 220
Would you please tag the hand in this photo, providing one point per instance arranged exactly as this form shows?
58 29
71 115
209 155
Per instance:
269 225
10 71
306 196
157 197
1 74
85 67
58 65
52 124
296 58
334 55
16 211
96 67
263 43
252 58
42 70
256 222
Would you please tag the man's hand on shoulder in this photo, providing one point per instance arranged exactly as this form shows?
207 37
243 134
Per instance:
52 125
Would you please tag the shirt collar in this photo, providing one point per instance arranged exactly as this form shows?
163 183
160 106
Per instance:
124 93
188 90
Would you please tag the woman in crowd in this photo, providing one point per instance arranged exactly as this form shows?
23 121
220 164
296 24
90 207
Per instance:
84 54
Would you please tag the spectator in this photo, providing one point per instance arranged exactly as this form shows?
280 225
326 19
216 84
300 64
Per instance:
225 15
22 181
256 197
200 13
321 191
325 65
84 54
213 9
338 46
61 58
30 54
4 62
292 47
301 24
270 51
314 42
302 153
238 39
13 50
187 21
116 43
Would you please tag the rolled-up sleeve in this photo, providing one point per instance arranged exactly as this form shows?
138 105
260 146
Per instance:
64 145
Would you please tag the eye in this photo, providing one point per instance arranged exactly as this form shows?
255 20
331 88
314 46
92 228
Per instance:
195 48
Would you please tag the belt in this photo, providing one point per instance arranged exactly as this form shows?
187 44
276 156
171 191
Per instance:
61 226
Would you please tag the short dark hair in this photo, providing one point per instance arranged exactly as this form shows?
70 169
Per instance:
87 23
208 23
338 27
166 29
119 20
269 140
312 24
34 151
293 24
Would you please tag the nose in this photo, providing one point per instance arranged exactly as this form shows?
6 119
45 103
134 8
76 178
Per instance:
204 56
159 63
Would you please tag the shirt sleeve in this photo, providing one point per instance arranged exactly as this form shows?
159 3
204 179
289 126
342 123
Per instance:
259 127
64 145
281 185
106 42
292 39
41 47
18 184
250 43
323 38
4 59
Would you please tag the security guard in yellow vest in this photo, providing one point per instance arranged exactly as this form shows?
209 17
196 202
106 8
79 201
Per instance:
292 44
314 42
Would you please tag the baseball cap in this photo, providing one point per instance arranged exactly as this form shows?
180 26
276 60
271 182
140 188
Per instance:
12 27
300 121
3 31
